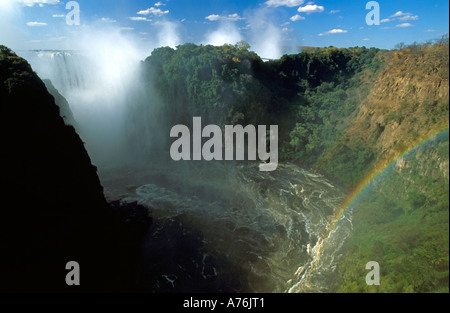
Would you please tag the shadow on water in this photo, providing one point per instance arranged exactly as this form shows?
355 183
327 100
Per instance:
225 227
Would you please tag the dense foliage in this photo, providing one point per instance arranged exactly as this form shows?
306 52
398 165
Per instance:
402 223
308 95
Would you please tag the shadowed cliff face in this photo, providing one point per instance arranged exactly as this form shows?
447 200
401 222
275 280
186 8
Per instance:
61 102
53 210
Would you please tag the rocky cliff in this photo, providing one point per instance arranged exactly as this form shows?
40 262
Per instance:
407 102
53 210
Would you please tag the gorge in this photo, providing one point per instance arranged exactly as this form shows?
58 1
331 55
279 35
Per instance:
227 226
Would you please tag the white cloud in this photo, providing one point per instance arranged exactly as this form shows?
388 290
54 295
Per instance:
213 17
127 28
159 3
409 17
30 3
230 17
108 20
139 19
284 3
234 17
311 8
404 25
333 32
36 24
58 15
402 16
153 11
366 39
297 17
398 13
334 11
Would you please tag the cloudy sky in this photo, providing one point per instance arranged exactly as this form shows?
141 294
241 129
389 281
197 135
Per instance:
42 24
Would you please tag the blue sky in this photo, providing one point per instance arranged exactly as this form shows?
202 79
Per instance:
42 23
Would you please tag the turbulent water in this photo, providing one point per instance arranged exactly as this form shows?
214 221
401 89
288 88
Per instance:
268 225
222 226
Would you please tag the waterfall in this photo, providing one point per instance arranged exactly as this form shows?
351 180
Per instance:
101 88
65 69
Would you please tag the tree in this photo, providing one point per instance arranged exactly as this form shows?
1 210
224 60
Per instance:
242 45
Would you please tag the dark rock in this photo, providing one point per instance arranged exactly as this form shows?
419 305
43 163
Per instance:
61 102
52 205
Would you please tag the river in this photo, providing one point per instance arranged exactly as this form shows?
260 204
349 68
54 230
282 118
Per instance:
239 229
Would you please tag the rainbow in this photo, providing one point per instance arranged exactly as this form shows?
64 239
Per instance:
375 175
378 172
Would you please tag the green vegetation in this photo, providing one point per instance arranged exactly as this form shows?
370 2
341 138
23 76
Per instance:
340 111
350 161
310 95
15 71
402 223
